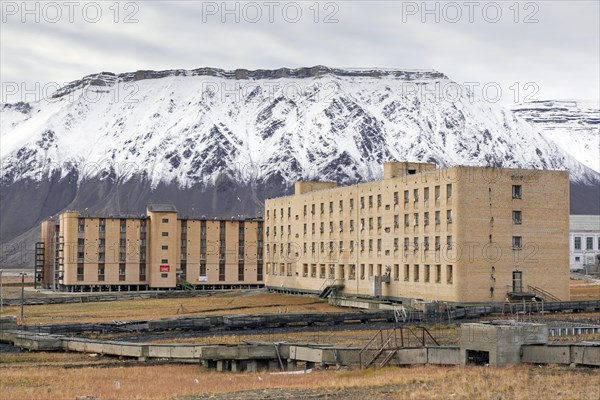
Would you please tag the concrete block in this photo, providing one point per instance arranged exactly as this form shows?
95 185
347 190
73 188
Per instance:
443 355
560 354
585 354
411 356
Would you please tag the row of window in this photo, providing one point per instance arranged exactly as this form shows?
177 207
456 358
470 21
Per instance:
363 204
516 194
331 245
370 225
418 273
101 272
589 243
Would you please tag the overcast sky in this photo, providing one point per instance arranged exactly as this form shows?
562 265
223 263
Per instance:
553 44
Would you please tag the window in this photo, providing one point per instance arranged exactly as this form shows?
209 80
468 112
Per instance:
370 223
448 190
101 257
378 200
351 204
437 217
426 194
406 196
438 274
322 208
370 244
577 243
416 243
416 273
396 272
516 191
416 219
416 194
438 243
165 220
437 192
80 272
449 274
341 205
341 226
449 216
406 273
370 201
379 223
165 234
395 198
396 221
426 243
449 242
362 202
589 243
577 259
330 207
351 225
164 261
517 242
165 247
426 277
516 216
406 222
426 218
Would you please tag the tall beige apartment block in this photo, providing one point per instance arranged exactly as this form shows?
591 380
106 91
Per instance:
459 234
155 251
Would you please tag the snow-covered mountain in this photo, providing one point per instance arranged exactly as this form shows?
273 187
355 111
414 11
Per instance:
574 125
214 141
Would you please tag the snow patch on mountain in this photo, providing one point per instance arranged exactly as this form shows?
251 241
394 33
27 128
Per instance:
193 127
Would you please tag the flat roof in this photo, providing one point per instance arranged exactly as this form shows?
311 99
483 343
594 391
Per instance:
584 223
162 208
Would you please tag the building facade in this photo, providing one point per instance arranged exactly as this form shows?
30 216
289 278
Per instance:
460 234
155 251
585 243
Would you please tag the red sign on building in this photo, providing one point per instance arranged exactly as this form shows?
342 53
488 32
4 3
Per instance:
165 268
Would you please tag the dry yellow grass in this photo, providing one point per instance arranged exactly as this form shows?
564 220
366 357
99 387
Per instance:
423 382
580 291
226 303
351 338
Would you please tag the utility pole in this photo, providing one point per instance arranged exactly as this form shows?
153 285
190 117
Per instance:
23 275
1 294
54 255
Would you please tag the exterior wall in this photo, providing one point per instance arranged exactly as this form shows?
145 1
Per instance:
485 231
584 229
152 251
162 263
463 264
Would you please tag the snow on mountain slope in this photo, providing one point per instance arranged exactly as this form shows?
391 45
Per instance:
574 125
190 127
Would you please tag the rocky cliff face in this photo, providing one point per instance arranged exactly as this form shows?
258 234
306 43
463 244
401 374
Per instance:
573 125
218 142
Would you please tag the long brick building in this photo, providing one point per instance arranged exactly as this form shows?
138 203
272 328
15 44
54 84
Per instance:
460 234
156 251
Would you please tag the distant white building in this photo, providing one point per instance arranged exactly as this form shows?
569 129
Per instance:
585 241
